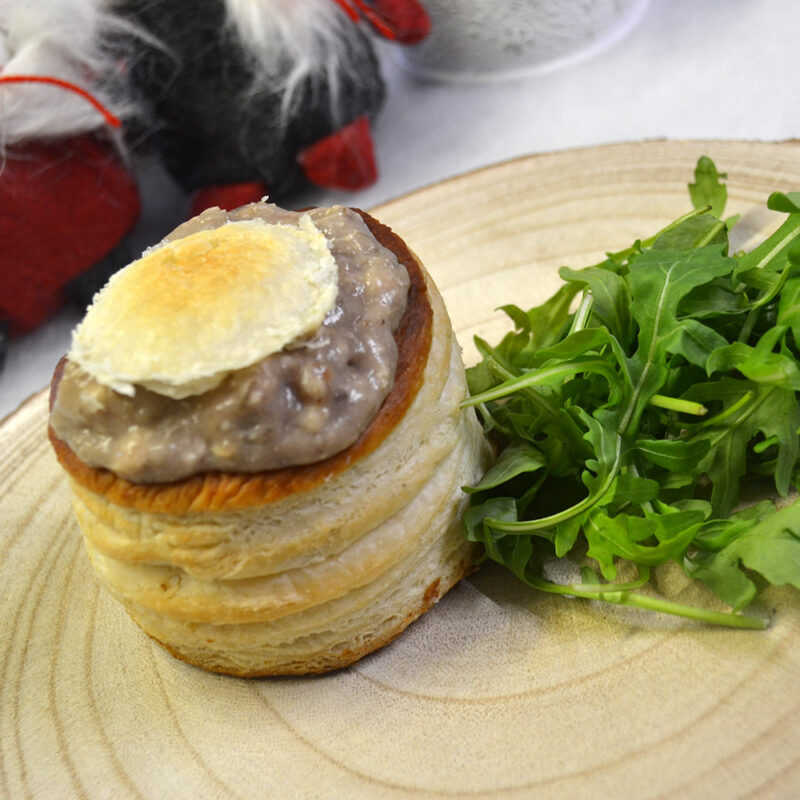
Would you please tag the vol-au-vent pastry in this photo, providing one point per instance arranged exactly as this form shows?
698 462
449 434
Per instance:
260 420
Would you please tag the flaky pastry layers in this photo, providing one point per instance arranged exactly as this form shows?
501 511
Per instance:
304 569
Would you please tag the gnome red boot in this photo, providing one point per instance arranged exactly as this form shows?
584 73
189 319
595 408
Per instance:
343 160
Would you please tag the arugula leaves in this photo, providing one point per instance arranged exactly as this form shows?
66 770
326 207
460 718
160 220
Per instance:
630 406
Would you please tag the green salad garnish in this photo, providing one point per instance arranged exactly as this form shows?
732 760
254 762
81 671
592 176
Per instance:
632 407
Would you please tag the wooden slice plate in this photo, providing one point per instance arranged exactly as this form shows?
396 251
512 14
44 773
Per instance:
499 691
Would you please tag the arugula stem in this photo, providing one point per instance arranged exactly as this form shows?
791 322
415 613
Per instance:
546 375
619 594
682 610
647 505
711 234
723 415
589 590
582 313
783 240
749 324
676 404
765 445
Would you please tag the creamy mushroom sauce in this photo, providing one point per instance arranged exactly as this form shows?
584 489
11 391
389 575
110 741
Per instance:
299 406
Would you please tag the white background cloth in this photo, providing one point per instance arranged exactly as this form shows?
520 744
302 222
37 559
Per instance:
691 69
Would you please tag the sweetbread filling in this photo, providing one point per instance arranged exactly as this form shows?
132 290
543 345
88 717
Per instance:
299 406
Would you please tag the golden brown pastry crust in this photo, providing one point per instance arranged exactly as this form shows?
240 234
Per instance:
229 491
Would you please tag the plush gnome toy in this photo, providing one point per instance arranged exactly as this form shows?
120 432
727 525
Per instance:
238 98
253 97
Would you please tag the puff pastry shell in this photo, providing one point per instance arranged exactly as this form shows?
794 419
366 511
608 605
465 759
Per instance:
305 569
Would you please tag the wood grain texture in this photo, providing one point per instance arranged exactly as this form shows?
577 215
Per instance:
499 691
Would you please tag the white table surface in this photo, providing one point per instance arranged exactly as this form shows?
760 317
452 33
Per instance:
691 69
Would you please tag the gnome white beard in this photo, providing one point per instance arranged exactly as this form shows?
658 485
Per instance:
58 39
309 35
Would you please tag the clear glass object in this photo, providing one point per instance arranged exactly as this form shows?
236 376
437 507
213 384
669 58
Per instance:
490 39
